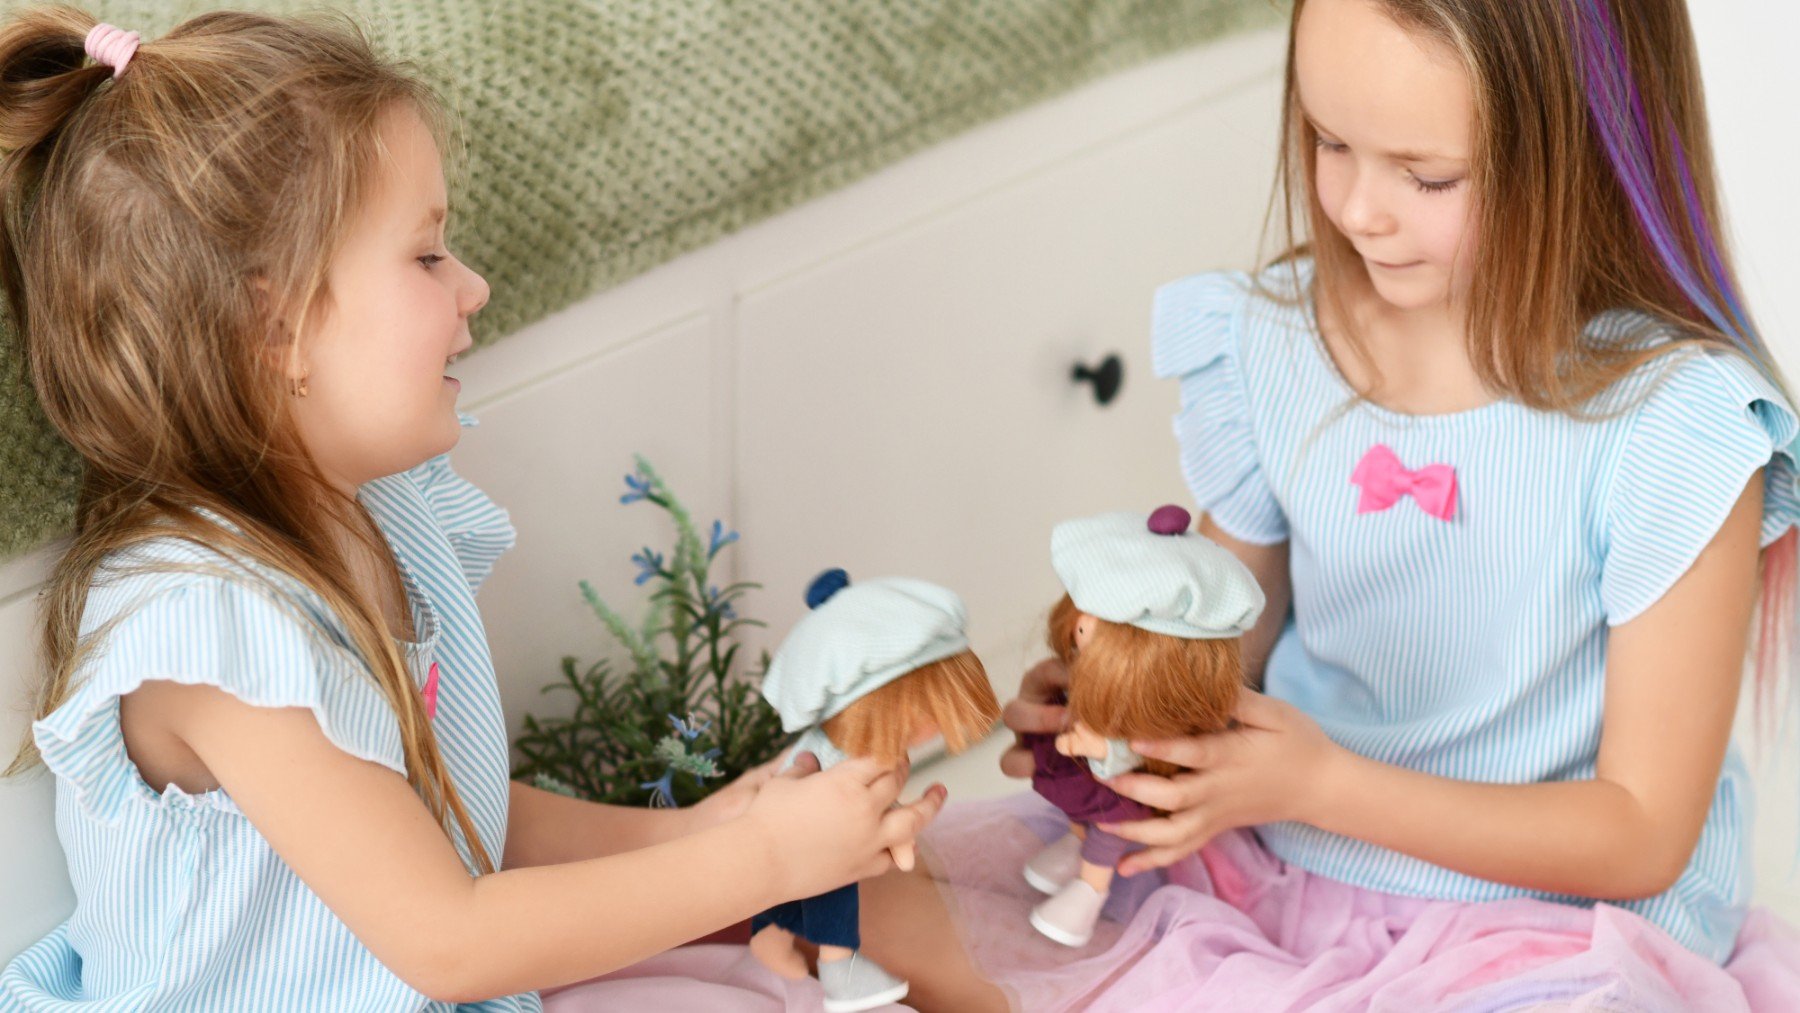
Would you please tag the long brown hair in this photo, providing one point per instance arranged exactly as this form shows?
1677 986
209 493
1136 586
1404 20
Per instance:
952 694
155 227
1593 183
1130 683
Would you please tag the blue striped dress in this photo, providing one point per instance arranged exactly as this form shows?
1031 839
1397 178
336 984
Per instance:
180 903
1474 648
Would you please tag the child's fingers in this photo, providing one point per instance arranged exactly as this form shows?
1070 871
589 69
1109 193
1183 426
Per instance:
864 770
1044 681
881 781
1195 752
1257 710
1155 858
880 865
1017 762
1157 831
1171 794
764 771
805 763
903 823
1031 717
903 856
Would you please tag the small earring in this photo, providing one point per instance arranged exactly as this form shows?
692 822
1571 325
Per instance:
299 386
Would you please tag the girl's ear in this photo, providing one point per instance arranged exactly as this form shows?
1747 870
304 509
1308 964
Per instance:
280 347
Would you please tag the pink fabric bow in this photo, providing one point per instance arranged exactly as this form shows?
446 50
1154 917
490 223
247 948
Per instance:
430 691
1384 480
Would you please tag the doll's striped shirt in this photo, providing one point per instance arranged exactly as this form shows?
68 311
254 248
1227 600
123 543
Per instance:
180 903
1472 648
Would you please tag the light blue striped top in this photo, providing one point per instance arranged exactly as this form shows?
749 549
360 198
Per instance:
1473 649
180 903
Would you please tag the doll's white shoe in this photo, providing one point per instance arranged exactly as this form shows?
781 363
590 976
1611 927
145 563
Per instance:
1055 865
1069 917
857 983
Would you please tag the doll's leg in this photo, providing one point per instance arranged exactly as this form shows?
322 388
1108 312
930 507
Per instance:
1069 916
907 927
851 980
1056 863
831 920
1099 877
773 947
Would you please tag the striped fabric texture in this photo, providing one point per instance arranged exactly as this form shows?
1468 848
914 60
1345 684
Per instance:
1474 647
180 903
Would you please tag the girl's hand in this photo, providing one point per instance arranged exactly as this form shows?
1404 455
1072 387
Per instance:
730 802
823 830
1273 765
1032 713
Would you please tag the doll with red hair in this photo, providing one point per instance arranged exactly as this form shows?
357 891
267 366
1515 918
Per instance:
1148 630
873 670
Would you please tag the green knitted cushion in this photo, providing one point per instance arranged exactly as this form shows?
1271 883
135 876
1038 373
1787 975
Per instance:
606 138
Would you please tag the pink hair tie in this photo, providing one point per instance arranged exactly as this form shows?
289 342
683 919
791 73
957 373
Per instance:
111 45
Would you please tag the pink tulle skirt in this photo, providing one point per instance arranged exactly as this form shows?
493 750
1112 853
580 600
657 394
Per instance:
1234 928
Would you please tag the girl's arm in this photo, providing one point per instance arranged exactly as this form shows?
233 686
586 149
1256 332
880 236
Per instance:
1269 564
1672 680
359 837
544 828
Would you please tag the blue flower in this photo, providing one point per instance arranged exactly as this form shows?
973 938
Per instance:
687 729
649 565
639 486
714 606
662 790
720 539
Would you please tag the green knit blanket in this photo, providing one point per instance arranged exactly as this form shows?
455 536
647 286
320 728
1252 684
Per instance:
605 138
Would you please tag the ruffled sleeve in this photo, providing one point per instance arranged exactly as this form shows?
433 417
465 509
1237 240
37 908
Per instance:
1194 336
480 530
1710 420
198 629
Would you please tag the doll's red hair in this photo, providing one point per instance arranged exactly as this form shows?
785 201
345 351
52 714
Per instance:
952 694
1130 683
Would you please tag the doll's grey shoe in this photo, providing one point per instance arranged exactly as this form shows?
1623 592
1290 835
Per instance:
1069 917
857 983
1055 865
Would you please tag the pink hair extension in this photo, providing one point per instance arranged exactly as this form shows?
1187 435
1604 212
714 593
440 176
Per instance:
1774 636
1624 128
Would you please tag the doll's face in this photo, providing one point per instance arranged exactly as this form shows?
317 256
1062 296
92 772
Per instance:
923 732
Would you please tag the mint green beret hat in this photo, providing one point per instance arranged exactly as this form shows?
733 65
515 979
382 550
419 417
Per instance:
858 638
1156 573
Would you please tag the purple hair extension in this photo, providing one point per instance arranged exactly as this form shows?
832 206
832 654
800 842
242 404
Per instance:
1618 113
1624 128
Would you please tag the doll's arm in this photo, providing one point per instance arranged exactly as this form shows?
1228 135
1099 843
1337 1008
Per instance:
1080 740
1119 759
